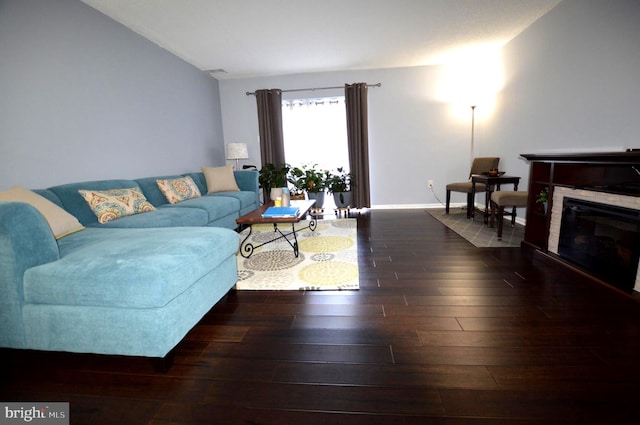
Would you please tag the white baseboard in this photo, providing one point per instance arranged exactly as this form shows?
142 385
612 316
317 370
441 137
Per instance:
404 206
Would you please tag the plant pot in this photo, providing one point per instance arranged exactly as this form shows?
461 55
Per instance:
318 196
275 193
342 199
542 207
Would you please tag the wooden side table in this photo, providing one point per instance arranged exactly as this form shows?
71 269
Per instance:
490 181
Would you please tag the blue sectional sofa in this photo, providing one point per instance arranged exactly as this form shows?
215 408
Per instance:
133 286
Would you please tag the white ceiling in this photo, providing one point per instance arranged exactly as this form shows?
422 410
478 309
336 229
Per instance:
248 38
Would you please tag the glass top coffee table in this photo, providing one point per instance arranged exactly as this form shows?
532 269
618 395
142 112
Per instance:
255 217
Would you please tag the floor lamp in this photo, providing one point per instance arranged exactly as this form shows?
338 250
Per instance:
473 122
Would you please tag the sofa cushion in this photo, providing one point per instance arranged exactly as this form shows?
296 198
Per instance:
220 179
46 193
163 216
112 204
130 268
149 186
216 207
178 190
74 203
199 180
247 182
246 199
61 222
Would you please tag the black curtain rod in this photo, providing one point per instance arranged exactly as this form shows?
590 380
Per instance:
252 93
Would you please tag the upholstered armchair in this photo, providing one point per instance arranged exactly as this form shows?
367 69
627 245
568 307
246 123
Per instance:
479 166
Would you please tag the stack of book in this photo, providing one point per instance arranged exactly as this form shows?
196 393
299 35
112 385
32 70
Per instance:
280 212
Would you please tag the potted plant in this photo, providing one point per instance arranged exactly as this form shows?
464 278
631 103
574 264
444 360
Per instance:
272 179
296 178
543 198
339 184
311 180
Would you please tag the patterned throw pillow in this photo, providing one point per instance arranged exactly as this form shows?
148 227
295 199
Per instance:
109 205
178 190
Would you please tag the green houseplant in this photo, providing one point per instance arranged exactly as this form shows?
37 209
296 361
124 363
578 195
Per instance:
296 178
339 184
543 199
272 177
311 180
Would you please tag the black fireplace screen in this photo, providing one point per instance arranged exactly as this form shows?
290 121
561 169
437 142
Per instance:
604 240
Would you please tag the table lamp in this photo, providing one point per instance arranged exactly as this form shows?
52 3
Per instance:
237 151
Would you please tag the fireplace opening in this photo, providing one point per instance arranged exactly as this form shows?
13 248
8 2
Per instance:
601 239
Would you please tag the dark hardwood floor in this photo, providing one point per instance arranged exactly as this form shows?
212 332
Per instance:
440 332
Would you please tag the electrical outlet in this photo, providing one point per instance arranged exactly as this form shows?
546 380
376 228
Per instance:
430 184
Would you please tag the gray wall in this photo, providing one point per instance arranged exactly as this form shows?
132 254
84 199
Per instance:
570 82
412 135
83 98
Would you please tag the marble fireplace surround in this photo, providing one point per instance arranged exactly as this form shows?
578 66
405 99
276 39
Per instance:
560 192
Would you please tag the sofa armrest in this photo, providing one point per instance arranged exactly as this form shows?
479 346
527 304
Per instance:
25 241
248 180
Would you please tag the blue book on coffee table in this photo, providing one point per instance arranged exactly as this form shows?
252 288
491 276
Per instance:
280 212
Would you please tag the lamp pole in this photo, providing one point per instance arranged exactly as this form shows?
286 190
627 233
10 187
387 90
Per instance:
473 122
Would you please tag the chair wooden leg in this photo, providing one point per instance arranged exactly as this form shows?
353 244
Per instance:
513 217
500 221
492 217
469 205
446 207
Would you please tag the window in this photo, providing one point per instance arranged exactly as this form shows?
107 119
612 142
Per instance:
315 132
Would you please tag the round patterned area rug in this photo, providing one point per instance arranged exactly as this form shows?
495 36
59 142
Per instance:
327 260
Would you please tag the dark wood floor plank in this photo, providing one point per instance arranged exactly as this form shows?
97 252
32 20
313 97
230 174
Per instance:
495 355
327 398
464 311
440 333
579 405
217 333
603 377
207 414
363 336
474 300
350 353
313 322
428 376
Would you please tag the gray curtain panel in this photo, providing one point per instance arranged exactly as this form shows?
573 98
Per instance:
358 140
270 126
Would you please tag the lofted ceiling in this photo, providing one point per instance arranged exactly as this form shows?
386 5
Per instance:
248 38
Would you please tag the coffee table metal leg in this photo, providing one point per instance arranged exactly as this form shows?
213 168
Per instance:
294 245
247 248
284 236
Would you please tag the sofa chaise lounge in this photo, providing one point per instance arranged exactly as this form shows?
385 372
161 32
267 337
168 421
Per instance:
134 285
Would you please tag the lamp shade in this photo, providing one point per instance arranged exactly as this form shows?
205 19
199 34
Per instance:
237 151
